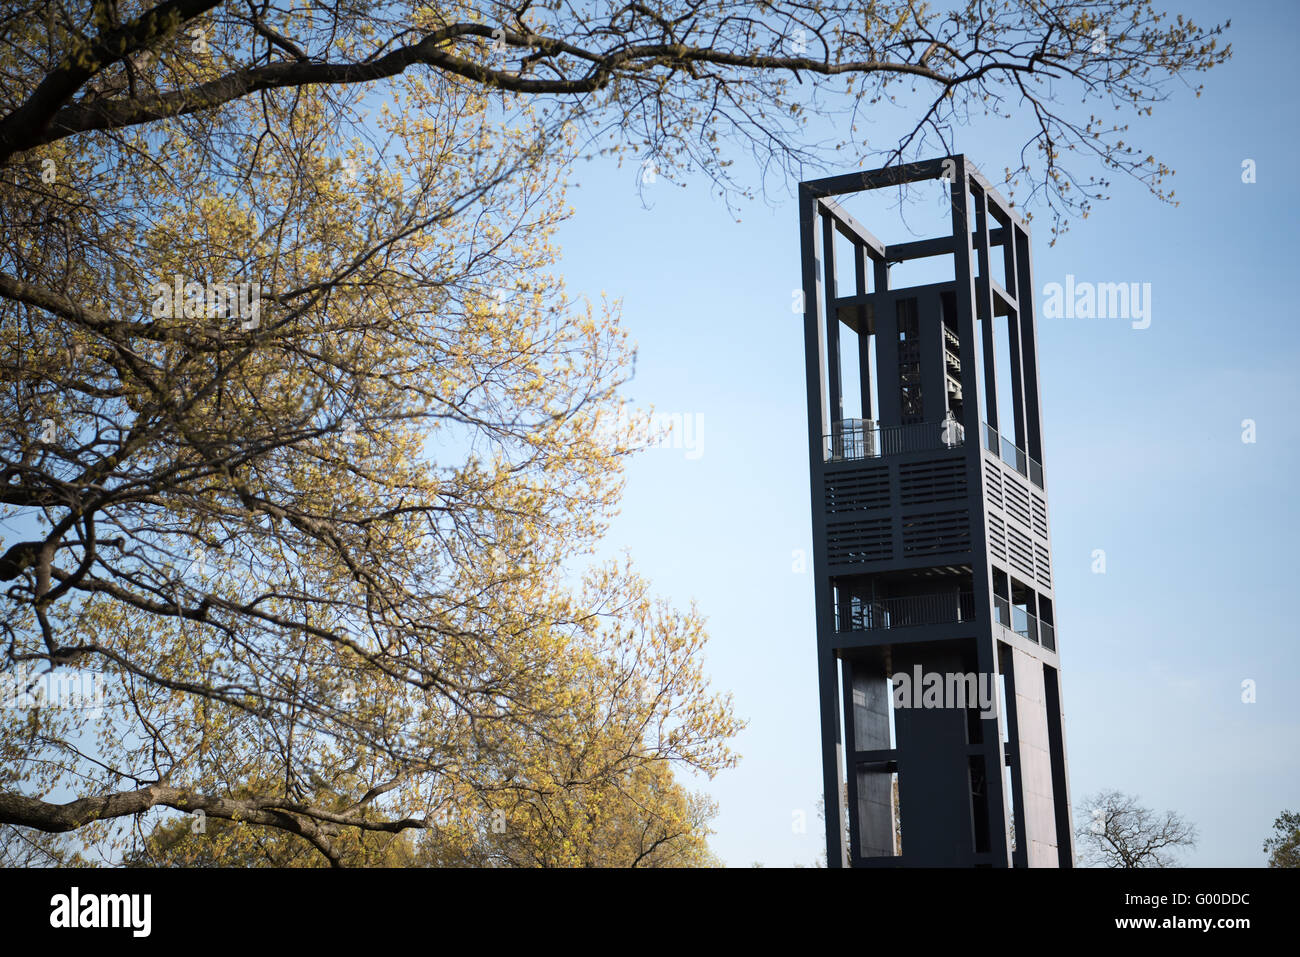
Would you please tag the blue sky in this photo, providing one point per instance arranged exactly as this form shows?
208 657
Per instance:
1143 451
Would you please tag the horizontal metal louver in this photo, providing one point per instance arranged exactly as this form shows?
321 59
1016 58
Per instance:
1017 500
1020 552
858 541
997 537
936 533
922 482
851 490
993 483
1043 565
1040 517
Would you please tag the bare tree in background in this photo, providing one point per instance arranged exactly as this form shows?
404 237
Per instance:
1116 831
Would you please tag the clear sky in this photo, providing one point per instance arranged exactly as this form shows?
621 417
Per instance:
1143 452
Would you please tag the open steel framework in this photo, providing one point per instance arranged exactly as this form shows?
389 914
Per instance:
932 554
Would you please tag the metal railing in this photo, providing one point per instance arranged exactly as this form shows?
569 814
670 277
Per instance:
1013 455
852 439
937 609
1017 619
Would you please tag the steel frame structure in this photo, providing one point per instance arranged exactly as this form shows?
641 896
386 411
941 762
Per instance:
932 553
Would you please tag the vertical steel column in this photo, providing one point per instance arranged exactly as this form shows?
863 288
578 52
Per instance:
827 677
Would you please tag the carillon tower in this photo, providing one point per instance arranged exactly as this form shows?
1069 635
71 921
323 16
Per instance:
938 659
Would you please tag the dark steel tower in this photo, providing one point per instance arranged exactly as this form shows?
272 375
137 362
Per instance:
941 719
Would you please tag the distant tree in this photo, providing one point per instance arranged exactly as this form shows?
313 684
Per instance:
898 819
1283 848
821 816
898 824
1115 831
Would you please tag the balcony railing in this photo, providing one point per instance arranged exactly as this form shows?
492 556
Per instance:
853 439
1017 619
938 609
1013 455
